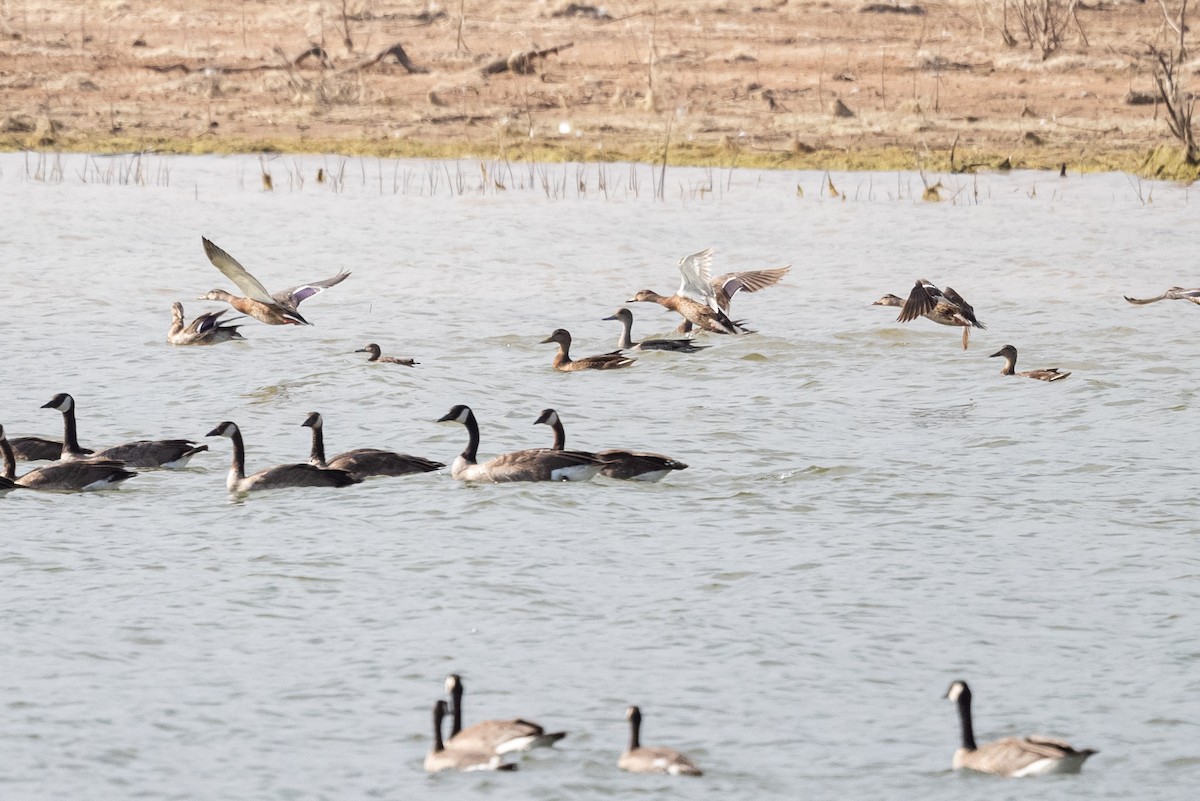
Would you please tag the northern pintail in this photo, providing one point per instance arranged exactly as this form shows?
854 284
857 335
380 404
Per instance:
564 362
169 453
374 350
364 462
633 465
207 329
625 341
945 308
1174 293
442 758
640 758
283 475
76 476
494 736
277 309
1010 367
1011 756
540 464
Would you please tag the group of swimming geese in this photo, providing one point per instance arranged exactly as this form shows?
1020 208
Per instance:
484 745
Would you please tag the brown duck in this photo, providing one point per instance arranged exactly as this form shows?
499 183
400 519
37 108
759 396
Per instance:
564 362
1010 367
375 351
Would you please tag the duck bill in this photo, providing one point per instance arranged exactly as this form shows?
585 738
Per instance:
997 353
547 339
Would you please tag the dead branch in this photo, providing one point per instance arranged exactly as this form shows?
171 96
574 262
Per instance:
522 62
397 52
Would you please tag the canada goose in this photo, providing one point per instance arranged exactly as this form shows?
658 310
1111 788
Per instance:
278 309
454 758
541 464
625 341
75 476
283 475
374 350
364 462
635 465
1011 756
495 736
1010 364
207 329
945 308
703 300
1174 293
564 362
169 453
37 449
640 758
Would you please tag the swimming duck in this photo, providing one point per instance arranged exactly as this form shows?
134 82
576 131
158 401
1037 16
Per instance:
564 362
640 758
169 453
77 476
494 736
374 350
277 309
541 464
364 462
703 300
1011 756
1010 363
945 308
442 758
625 342
1174 293
204 330
283 475
635 465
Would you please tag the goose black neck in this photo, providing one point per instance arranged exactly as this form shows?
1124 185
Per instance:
70 436
317 456
964 717
635 728
239 453
472 445
560 435
456 695
10 460
439 712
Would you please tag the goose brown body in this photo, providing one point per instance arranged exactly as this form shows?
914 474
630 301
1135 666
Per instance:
364 462
169 453
640 758
540 464
494 736
71 476
623 464
441 757
277 477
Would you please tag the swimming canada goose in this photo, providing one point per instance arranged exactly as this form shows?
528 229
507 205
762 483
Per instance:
1010 364
703 300
1174 293
1011 756
541 464
207 329
640 758
283 475
37 449
945 308
495 736
77 476
564 362
374 350
635 465
625 341
364 462
169 453
454 758
277 309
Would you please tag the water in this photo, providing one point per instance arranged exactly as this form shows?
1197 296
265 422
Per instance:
870 511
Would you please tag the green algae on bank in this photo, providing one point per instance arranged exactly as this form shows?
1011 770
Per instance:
1164 162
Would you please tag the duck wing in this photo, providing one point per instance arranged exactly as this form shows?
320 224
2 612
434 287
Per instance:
236 273
296 295
696 272
967 311
727 285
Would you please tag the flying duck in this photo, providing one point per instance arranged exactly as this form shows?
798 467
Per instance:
374 350
364 462
1011 756
207 329
278 309
169 453
564 362
442 758
541 464
494 736
1174 293
640 758
1010 364
945 308
625 341
283 475
635 465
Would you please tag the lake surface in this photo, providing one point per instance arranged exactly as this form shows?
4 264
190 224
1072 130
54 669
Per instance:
870 511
